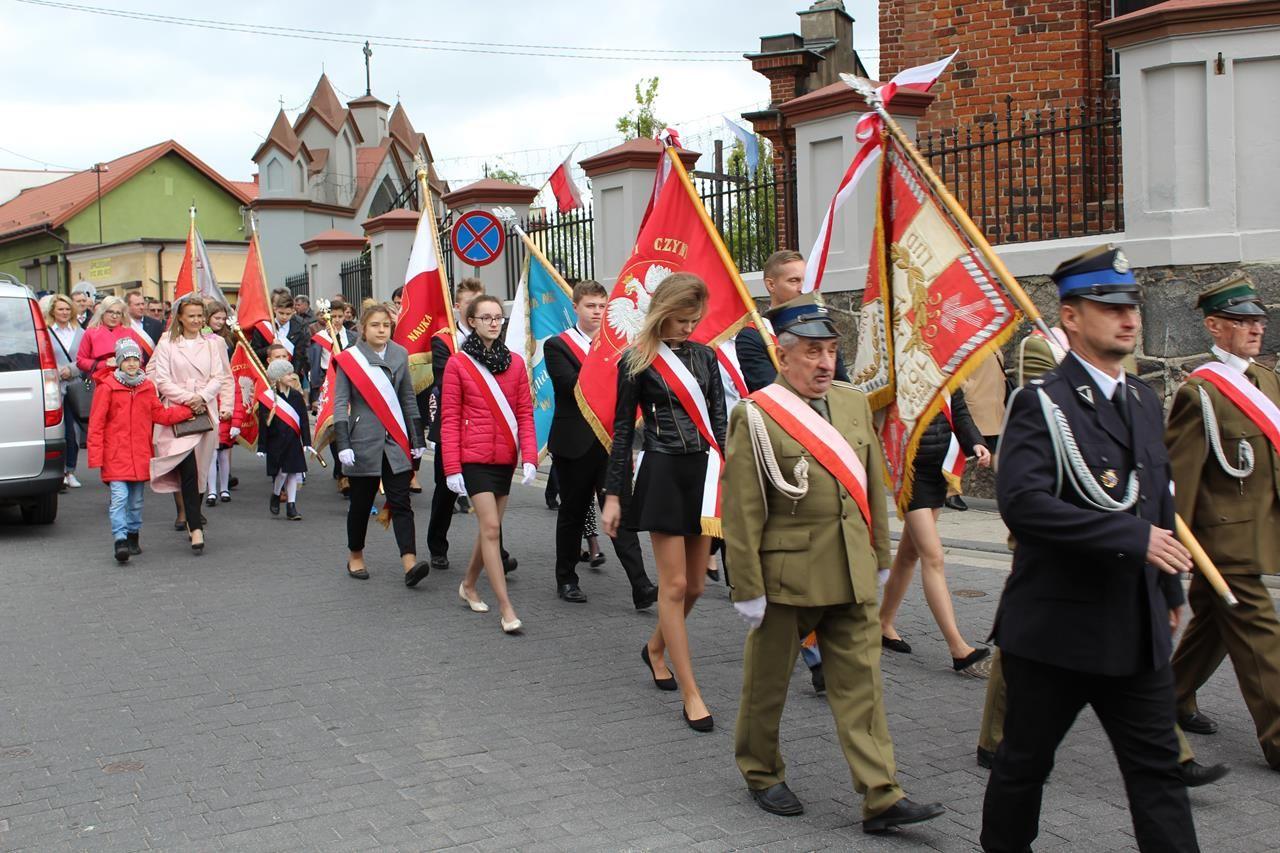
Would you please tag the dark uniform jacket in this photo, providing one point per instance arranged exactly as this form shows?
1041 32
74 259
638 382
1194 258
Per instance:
757 368
297 335
440 353
277 439
667 427
571 436
1237 521
1081 595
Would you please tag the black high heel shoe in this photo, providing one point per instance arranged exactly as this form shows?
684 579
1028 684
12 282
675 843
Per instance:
668 683
702 724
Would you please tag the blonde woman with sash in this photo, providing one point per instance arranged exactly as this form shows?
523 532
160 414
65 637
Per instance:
676 385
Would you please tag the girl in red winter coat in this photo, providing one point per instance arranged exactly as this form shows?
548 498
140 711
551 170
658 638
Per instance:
125 406
486 396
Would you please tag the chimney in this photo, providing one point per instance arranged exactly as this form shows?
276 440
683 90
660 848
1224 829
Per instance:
827 29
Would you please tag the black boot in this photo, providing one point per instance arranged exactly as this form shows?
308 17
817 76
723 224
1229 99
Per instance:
132 539
122 550
274 506
291 511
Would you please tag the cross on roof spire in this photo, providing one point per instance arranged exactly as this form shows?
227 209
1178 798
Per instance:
368 89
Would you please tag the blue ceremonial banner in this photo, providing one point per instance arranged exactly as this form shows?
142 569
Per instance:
541 310
750 145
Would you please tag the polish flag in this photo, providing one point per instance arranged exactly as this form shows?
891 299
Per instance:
919 79
425 306
565 190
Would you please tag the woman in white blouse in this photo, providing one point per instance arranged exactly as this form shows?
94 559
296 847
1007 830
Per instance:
60 317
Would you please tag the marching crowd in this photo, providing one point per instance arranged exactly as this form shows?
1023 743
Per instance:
786 483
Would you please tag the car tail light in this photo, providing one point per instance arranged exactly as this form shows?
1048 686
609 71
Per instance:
48 370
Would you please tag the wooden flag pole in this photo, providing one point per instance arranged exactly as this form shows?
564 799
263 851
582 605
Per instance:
1201 558
725 257
424 199
508 216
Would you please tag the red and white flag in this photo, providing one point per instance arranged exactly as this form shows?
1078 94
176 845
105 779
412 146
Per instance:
920 79
425 305
195 275
562 186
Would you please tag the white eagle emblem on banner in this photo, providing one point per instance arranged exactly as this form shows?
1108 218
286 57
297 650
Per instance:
626 314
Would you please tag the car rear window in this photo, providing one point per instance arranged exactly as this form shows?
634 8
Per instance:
17 335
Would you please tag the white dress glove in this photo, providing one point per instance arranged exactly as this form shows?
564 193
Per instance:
752 611
347 457
235 433
530 471
261 455
417 452
456 484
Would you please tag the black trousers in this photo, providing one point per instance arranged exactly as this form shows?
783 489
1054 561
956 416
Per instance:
363 492
1137 713
580 480
189 485
442 501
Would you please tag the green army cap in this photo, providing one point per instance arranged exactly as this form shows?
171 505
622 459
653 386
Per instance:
1233 296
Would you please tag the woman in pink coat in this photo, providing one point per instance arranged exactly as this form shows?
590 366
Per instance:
192 370
482 378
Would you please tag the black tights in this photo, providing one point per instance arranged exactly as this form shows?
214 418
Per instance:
363 492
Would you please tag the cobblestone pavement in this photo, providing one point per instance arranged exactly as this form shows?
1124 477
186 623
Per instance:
256 699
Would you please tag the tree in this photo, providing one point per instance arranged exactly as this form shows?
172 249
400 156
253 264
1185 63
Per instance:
642 123
499 173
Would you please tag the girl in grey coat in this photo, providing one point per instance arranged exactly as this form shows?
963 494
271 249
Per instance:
369 454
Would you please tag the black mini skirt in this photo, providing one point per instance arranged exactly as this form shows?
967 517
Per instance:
480 478
667 496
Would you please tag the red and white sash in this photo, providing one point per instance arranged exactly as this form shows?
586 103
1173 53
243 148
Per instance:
144 340
281 337
823 441
324 340
1237 388
579 344
497 402
953 464
280 404
735 384
375 387
694 402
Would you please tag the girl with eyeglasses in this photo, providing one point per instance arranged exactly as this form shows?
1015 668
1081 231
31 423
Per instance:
486 398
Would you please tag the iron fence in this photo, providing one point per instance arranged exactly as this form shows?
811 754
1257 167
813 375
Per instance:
755 215
297 284
1039 174
357 279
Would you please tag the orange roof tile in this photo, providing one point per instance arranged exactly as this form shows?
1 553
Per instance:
52 204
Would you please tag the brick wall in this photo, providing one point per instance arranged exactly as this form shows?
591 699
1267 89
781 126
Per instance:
1033 50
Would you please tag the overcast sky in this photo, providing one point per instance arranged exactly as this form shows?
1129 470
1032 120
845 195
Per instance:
83 87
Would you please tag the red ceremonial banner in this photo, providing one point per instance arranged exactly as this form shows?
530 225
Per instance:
677 236
253 306
938 311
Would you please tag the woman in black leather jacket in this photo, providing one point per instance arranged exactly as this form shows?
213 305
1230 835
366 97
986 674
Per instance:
920 540
667 496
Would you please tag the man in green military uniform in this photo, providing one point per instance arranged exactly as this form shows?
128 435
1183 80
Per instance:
806 531
1037 355
1223 436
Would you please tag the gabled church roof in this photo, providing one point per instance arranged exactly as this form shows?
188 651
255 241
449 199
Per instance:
282 136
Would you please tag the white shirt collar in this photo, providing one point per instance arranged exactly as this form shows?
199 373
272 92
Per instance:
579 330
1230 360
1106 384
